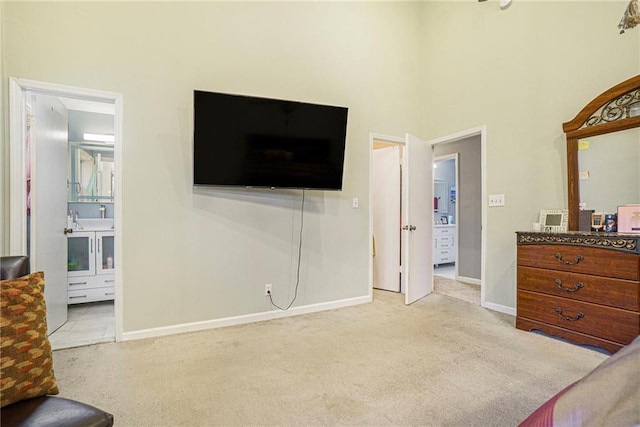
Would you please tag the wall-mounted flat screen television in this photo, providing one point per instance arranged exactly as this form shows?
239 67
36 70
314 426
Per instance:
246 141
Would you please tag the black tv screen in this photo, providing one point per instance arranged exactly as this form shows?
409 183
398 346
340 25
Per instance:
260 142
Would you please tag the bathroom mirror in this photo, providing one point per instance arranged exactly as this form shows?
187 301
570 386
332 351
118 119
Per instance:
440 197
91 172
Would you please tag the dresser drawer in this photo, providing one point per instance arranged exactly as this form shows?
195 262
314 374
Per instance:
578 259
600 290
574 337
605 322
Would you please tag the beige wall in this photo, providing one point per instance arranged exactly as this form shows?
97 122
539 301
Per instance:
195 255
521 72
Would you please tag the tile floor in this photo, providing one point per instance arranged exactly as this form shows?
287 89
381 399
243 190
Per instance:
445 284
88 323
445 270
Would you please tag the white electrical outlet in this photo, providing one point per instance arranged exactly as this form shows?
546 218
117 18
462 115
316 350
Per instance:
267 289
496 200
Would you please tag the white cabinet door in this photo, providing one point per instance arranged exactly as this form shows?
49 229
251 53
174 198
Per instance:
105 252
81 253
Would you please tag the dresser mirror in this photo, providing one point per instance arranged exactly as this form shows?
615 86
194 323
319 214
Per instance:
609 167
609 125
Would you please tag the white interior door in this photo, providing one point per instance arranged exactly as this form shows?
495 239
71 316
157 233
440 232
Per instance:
49 203
386 218
417 219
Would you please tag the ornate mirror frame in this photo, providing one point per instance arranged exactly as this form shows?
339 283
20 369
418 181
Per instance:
608 112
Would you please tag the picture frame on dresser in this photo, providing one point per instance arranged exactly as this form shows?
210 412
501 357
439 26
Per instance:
554 220
628 218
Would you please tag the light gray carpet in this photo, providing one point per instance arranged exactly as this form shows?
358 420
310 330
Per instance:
440 362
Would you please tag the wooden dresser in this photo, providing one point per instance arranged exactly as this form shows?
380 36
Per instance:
583 287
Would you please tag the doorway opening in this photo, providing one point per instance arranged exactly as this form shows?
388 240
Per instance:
386 199
459 233
401 243
469 218
65 204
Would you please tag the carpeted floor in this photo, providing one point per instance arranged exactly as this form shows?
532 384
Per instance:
439 362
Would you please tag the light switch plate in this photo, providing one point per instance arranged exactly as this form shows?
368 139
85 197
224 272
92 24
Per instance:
496 200
356 203
584 175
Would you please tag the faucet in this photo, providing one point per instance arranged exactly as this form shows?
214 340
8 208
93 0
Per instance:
103 210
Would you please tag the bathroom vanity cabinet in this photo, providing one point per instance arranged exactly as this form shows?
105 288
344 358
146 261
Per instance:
444 244
90 266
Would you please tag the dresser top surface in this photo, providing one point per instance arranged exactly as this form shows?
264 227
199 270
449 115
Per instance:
624 242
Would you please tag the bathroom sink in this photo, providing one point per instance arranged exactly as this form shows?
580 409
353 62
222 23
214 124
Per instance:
95 223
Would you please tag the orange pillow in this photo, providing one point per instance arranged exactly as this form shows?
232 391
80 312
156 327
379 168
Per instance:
26 362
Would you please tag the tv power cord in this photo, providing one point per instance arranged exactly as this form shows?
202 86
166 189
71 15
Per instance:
295 295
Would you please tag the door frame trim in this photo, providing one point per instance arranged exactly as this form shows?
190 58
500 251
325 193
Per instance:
17 177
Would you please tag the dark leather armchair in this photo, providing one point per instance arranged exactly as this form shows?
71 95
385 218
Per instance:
46 411
12 267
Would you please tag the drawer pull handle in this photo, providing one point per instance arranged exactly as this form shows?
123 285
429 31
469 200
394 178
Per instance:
579 316
79 296
576 288
560 260
77 283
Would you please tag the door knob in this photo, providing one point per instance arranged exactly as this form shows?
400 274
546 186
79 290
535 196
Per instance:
68 230
409 227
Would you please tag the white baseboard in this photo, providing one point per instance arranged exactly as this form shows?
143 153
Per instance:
500 308
239 320
470 280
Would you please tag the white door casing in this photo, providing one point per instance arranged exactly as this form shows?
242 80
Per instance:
49 203
386 218
18 87
417 219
